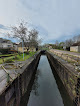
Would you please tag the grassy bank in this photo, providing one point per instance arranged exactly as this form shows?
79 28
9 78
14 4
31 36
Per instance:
16 57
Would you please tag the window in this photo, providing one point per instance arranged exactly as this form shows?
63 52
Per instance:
9 45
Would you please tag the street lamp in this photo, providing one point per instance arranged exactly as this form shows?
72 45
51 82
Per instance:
23 48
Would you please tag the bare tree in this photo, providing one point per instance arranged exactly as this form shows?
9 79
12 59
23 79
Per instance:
56 43
28 38
20 32
33 39
76 38
68 43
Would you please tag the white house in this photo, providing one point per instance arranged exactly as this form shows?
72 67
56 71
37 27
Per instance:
6 44
15 46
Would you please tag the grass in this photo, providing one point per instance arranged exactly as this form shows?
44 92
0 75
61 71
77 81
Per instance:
6 55
26 56
18 57
45 49
5 59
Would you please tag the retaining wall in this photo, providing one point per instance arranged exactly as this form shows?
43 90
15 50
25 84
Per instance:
68 76
11 96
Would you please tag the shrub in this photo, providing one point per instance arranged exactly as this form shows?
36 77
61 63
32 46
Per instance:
4 51
16 58
19 53
8 61
27 52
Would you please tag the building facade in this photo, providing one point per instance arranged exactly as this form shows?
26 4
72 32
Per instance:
75 47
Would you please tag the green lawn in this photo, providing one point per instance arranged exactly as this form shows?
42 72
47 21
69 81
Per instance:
26 56
18 57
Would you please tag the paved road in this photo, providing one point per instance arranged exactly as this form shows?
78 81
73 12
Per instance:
65 52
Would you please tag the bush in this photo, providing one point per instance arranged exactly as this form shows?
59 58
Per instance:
8 61
16 58
4 51
27 52
19 53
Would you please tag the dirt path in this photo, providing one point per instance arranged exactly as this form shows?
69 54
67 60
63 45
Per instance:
65 52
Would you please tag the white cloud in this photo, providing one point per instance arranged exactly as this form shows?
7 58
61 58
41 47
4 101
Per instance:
55 17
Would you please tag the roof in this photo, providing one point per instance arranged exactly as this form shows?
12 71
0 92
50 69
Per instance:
76 44
4 40
15 44
25 44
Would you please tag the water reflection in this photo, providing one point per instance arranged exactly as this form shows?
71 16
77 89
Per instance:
36 84
45 91
65 96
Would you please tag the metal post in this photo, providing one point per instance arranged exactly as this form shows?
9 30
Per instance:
23 49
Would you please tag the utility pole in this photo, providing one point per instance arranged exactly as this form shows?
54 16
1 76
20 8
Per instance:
23 48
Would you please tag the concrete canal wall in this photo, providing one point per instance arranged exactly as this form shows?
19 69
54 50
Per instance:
69 77
11 96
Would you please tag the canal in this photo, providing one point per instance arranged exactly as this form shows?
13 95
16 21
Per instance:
47 89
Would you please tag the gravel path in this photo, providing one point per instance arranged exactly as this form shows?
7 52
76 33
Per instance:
65 52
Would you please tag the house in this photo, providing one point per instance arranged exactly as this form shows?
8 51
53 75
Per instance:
32 49
26 47
15 46
48 46
20 48
6 44
75 47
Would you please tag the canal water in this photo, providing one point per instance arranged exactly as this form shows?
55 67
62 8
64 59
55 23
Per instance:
46 90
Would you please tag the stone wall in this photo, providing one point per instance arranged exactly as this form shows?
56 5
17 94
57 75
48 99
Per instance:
68 76
11 96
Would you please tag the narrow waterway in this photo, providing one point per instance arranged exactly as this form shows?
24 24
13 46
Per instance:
45 91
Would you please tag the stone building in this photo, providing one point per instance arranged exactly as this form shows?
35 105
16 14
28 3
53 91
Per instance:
75 47
26 47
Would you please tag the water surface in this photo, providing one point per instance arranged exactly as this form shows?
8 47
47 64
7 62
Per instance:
45 91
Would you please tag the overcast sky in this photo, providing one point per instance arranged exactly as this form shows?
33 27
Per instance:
54 19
